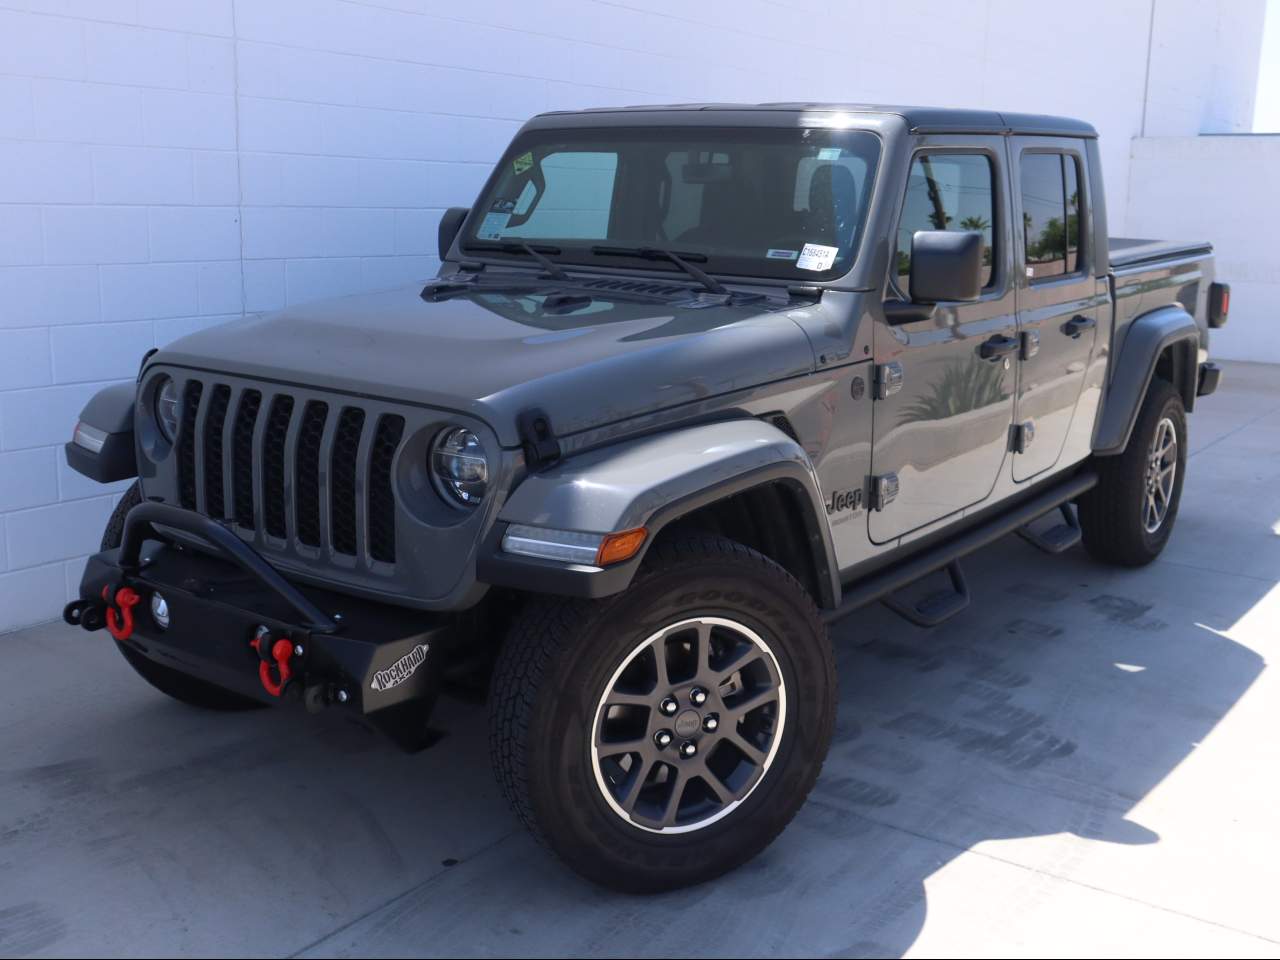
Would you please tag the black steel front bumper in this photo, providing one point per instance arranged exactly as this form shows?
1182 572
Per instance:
369 658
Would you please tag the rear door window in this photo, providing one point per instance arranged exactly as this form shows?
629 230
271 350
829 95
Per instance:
1050 214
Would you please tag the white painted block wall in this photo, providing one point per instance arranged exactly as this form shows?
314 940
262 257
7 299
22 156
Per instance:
168 164
1222 189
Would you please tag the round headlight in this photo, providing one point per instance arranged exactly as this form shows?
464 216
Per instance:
459 466
167 403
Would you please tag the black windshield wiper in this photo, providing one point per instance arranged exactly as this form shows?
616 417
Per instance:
660 253
553 269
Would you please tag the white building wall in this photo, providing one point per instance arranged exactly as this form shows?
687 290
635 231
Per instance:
1222 189
168 164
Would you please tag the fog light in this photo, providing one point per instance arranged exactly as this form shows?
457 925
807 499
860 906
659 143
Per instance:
160 611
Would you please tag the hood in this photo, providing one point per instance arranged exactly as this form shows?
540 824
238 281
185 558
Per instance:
494 355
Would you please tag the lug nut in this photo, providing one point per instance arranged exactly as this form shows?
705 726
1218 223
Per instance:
697 696
688 749
662 738
710 723
343 696
297 649
669 706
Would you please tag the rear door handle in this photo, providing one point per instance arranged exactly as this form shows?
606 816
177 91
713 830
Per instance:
997 346
1078 325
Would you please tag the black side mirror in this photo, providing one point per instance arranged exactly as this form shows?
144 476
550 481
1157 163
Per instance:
450 224
946 266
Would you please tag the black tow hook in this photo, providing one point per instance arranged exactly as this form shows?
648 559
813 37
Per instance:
89 614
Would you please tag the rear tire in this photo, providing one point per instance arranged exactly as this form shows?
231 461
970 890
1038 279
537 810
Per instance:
577 688
1127 518
180 686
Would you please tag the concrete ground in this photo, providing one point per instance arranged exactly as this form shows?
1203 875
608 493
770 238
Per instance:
1086 762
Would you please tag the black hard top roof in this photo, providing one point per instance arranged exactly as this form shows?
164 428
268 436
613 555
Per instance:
918 119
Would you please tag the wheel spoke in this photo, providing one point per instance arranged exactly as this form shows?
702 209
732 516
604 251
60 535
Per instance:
627 799
611 748
659 649
752 702
621 698
750 750
723 794
680 780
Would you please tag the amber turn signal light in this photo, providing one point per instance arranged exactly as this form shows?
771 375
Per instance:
617 547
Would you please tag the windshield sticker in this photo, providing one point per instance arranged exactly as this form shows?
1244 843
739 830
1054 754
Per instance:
815 256
492 225
522 163
503 205
782 254
829 153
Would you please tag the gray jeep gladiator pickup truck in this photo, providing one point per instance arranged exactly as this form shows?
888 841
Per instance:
692 383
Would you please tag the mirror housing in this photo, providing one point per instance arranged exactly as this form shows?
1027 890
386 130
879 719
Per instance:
450 223
946 266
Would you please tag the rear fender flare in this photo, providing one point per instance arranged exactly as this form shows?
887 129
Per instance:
1149 336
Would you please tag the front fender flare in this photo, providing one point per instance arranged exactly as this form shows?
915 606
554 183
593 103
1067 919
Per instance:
1147 339
650 482
102 446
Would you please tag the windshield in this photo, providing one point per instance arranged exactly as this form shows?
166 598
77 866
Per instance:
759 202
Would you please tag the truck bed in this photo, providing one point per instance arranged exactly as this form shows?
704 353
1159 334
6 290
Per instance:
1125 252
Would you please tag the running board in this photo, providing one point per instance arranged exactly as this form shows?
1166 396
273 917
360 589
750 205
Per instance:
1056 539
882 583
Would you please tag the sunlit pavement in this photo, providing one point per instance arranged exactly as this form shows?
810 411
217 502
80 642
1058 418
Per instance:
1087 761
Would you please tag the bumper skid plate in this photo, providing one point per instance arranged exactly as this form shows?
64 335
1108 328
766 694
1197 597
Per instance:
225 616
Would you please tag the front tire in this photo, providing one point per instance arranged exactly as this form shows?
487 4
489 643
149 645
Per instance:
664 736
180 686
1127 518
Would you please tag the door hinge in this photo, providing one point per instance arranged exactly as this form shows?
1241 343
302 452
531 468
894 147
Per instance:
888 379
1030 344
1021 435
884 490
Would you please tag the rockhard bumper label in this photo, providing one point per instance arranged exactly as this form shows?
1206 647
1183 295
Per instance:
401 670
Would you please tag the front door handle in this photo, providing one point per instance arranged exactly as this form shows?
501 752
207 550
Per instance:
1078 325
997 346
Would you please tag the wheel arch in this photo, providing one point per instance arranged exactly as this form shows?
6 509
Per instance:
1163 343
744 479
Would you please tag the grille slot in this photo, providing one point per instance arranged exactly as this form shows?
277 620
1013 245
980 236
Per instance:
382 504
187 444
214 423
242 457
285 465
346 450
273 441
307 471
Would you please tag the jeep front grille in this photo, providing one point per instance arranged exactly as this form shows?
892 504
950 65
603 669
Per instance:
291 472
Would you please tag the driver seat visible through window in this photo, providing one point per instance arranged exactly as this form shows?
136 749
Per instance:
833 205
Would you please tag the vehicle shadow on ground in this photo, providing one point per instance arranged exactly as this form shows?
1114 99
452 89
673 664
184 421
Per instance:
1048 710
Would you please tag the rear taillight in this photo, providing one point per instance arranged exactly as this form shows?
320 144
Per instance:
1219 303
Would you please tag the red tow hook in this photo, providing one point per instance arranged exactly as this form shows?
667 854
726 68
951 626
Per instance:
121 626
281 651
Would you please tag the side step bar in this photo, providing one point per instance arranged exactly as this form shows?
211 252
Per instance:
1055 539
884 582
937 607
